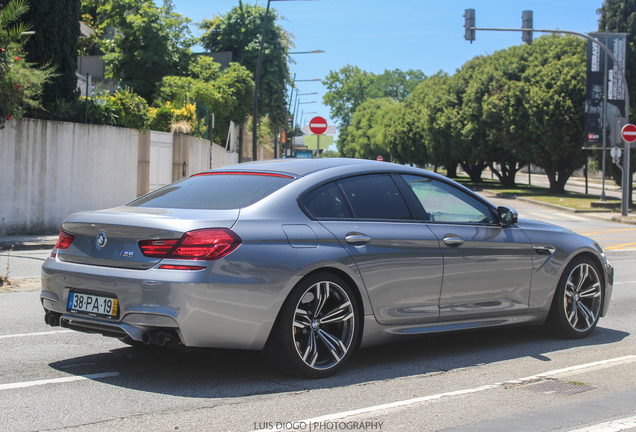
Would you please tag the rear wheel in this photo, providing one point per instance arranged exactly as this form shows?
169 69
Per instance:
577 302
317 329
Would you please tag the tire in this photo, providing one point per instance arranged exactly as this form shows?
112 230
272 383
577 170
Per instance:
578 299
317 329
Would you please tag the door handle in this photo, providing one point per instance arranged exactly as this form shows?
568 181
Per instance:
357 239
451 240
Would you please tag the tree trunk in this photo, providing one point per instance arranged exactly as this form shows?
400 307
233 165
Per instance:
451 170
474 171
507 174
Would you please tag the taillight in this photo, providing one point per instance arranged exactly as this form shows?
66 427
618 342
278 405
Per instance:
205 244
157 248
64 240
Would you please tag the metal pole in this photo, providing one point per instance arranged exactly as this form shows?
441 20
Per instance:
291 94
256 79
86 104
296 111
604 117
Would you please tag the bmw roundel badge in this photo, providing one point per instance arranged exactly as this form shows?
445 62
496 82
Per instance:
101 239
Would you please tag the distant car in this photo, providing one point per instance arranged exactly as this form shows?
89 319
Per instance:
310 259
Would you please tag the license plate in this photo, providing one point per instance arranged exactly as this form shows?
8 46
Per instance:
92 304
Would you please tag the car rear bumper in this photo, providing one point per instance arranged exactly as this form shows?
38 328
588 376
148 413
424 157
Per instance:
216 307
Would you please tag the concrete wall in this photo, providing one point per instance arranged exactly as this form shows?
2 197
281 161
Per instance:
49 170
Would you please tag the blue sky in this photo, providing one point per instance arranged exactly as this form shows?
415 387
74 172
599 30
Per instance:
400 34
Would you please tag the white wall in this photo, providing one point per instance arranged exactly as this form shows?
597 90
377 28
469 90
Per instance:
160 159
49 170
199 157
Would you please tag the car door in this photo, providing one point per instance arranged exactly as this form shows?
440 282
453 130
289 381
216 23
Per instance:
487 268
398 257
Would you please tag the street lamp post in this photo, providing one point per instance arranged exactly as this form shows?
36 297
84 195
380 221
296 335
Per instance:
256 81
303 103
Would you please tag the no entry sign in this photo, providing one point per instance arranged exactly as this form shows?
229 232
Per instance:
628 132
318 125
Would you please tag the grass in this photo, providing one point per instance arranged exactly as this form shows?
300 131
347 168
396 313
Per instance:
571 200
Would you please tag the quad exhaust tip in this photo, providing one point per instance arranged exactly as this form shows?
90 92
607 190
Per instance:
161 338
52 319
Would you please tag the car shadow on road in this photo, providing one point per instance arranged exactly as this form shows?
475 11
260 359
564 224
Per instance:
214 373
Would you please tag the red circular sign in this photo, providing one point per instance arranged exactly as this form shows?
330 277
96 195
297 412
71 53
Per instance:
628 132
318 125
380 158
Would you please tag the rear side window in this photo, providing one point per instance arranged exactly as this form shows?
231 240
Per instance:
374 197
214 191
362 197
327 202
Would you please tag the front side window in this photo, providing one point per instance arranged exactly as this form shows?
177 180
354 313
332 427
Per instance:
445 203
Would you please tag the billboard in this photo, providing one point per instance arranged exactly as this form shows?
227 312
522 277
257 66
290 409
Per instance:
596 72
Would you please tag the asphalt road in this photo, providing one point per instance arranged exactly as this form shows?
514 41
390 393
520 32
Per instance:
513 379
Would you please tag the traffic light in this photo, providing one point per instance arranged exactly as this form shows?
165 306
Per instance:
526 23
469 24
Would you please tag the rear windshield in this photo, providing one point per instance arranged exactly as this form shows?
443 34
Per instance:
213 192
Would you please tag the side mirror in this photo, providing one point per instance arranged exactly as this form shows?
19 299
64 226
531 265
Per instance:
507 216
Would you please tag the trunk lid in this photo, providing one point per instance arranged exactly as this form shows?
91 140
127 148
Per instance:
110 238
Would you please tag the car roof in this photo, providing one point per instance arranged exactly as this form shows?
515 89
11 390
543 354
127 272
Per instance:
303 167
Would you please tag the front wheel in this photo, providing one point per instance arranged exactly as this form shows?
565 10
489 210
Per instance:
578 299
317 328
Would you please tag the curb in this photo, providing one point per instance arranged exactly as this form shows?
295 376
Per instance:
27 242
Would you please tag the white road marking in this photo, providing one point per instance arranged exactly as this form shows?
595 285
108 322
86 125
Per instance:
35 334
572 370
610 426
571 216
546 215
57 380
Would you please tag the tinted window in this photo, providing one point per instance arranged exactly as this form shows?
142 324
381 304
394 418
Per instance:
327 202
374 197
213 192
445 203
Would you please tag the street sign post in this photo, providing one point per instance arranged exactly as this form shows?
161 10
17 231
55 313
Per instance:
628 132
318 125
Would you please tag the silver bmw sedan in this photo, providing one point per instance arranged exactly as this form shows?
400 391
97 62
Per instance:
308 260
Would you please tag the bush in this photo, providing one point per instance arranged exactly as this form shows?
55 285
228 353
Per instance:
119 108
160 119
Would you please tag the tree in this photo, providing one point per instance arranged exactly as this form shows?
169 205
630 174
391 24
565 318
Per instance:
556 105
20 83
365 136
350 86
55 44
239 31
228 94
347 88
150 43
496 115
